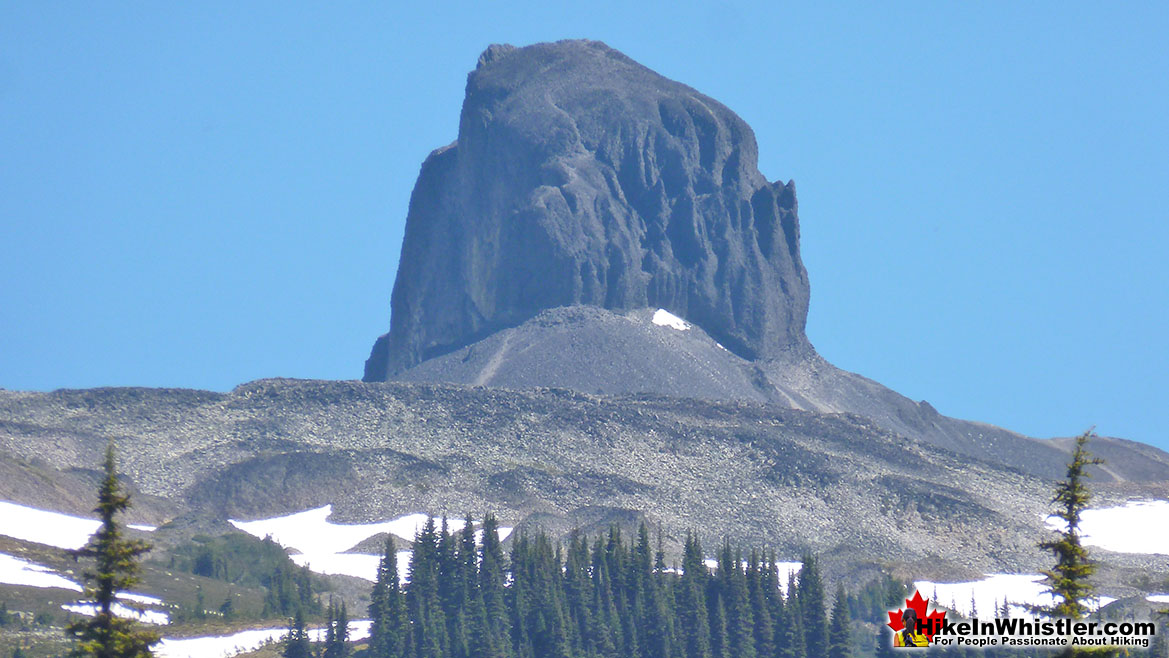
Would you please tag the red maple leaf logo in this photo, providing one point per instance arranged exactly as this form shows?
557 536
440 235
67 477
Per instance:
931 621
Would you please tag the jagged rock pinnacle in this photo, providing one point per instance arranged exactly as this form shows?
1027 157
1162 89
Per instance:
581 177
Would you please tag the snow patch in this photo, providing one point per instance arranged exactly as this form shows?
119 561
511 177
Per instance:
142 527
321 544
358 565
140 598
786 569
1138 526
664 318
15 571
223 646
311 533
1157 598
988 594
119 610
43 527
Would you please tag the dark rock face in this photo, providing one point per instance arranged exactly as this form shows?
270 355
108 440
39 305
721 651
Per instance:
581 177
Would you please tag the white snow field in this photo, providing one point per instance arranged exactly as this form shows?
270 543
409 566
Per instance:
222 646
42 527
786 569
1138 526
145 616
311 533
990 592
665 318
15 571
322 544
1158 598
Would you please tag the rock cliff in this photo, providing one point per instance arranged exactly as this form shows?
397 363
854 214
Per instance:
580 177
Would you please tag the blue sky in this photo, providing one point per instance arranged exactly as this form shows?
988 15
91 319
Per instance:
202 195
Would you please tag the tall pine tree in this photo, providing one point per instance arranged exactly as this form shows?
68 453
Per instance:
1068 580
115 570
813 615
839 636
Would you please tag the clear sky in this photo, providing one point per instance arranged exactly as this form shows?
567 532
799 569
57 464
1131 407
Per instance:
202 195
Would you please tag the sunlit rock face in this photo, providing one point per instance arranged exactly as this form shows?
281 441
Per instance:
580 177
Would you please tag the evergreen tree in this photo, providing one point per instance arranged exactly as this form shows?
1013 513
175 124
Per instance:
885 643
115 570
691 601
757 580
492 584
297 644
387 609
608 639
810 593
794 644
733 589
1068 579
337 632
428 625
839 637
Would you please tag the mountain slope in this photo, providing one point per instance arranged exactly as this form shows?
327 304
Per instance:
795 480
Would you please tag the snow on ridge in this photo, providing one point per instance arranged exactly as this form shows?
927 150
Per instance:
44 527
140 598
311 533
1018 590
322 545
664 318
786 569
1157 598
15 571
1138 526
141 526
119 610
223 646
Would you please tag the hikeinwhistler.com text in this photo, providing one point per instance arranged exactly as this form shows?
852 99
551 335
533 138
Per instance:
1036 632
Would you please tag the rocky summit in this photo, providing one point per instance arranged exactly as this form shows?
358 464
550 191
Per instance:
584 195
581 177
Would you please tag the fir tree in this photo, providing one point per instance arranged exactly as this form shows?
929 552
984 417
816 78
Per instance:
115 570
387 609
492 584
794 643
691 601
297 644
428 625
1068 579
337 631
757 580
810 593
839 637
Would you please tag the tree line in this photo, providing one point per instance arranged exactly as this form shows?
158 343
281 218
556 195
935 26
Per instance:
605 598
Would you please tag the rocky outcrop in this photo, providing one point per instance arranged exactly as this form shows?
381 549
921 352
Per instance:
581 177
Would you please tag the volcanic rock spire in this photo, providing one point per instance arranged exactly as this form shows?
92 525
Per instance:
581 177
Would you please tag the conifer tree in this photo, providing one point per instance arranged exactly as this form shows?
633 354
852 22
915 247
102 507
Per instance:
387 610
297 644
115 570
427 623
813 615
1068 579
336 631
608 637
794 643
492 583
733 588
764 631
839 637
691 601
